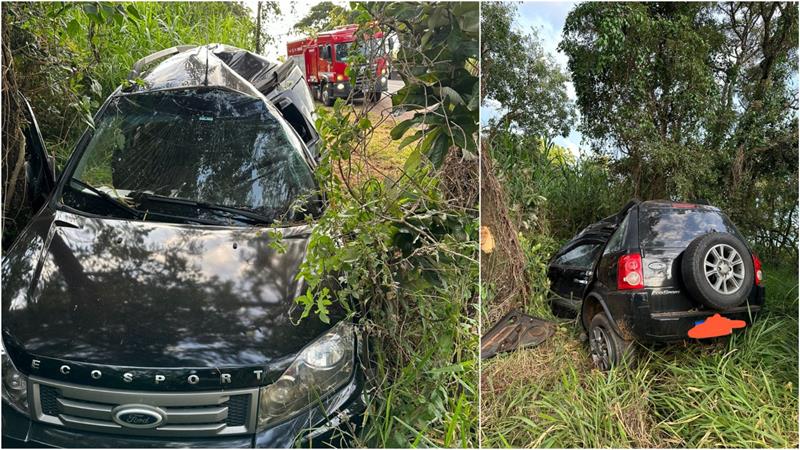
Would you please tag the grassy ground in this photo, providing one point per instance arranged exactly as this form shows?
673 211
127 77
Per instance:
383 157
739 392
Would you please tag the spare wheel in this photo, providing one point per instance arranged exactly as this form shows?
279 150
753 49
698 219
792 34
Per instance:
717 270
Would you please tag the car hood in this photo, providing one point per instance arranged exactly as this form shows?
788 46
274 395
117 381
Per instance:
154 295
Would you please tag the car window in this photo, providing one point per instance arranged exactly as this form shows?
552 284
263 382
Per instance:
212 146
617 240
342 51
325 52
582 256
676 227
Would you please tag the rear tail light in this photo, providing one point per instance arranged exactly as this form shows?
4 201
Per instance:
757 267
629 272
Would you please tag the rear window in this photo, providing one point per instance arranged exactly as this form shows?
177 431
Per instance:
676 228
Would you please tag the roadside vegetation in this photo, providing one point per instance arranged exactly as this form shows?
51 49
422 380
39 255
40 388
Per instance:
677 102
737 392
400 233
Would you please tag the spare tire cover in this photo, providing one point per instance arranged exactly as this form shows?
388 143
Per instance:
717 269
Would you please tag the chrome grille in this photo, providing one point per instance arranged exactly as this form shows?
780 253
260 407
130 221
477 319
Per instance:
202 413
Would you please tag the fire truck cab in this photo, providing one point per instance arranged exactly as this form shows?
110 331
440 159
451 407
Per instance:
325 58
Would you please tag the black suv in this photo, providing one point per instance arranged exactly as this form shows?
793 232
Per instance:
147 303
656 272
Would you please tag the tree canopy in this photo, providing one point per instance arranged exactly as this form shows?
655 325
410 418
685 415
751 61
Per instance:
696 100
518 74
325 16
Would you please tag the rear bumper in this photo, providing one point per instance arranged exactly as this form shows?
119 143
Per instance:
309 429
641 323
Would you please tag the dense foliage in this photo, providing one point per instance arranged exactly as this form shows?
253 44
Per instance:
696 101
520 77
689 102
404 247
325 16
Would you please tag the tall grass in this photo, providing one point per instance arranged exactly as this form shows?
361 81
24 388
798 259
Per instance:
737 392
431 400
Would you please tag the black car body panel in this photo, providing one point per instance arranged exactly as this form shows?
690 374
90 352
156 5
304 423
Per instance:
95 292
168 306
660 311
347 403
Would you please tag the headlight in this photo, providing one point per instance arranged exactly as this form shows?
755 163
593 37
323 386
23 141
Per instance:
340 86
383 80
15 384
322 367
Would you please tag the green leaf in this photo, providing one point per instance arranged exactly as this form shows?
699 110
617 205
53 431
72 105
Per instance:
73 28
400 129
438 150
409 139
131 8
413 160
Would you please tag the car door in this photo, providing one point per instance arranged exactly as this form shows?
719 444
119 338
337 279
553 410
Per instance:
572 269
40 178
293 98
324 58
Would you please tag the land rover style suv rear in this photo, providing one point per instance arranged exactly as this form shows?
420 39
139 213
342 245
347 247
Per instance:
657 271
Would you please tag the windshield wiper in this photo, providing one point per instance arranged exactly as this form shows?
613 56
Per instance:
136 213
105 196
243 214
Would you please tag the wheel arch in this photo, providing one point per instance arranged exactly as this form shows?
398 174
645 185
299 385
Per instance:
593 304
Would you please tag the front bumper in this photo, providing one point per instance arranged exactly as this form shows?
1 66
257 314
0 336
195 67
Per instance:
343 89
311 428
649 326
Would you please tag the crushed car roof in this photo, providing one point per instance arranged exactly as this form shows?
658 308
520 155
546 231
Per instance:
213 65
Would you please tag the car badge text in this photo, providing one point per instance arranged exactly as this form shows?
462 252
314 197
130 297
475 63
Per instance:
157 378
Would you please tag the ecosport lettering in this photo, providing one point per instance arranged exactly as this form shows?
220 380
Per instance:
127 377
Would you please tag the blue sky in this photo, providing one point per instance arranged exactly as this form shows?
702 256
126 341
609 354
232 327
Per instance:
547 18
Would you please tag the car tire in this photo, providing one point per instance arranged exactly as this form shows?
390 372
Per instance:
607 348
327 98
717 270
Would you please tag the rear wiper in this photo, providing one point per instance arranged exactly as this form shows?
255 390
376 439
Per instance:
138 214
243 214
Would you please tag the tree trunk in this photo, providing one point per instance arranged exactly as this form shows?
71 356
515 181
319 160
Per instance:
503 266
13 187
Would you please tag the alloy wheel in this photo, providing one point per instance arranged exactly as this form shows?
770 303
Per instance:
724 269
600 345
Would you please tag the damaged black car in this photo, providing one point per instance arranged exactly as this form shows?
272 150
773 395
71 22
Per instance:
657 271
147 303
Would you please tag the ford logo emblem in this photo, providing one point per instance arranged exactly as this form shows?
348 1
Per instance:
657 266
138 416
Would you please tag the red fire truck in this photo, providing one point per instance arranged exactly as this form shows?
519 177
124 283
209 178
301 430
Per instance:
324 59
